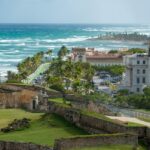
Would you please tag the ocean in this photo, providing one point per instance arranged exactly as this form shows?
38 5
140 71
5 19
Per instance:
18 41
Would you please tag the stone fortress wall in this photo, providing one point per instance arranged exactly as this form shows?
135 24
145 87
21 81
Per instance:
95 126
23 96
96 140
91 124
21 146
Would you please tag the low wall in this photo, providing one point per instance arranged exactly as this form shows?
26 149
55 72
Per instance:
80 103
148 134
92 124
21 146
51 93
110 126
96 140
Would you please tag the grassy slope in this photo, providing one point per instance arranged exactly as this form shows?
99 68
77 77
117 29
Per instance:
8 115
112 147
42 131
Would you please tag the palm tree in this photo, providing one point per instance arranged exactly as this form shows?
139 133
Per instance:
49 52
62 52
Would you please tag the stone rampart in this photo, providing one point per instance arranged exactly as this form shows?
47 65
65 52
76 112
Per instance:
96 140
82 103
21 146
93 124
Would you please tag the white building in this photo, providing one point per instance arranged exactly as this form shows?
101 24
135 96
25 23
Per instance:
96 57
137 75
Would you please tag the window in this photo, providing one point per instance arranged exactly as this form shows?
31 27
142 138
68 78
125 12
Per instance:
144 80
144 62
138 80
144 71
138 62
138 89
138 71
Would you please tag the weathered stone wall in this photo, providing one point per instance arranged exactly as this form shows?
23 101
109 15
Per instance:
109 126
21 146
51 93
23 96
16 99
92 124
80 103
95 140
148 133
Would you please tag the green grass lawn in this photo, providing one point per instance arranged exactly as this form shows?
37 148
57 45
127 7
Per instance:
60 101
57 100
44 129
8 115
111 147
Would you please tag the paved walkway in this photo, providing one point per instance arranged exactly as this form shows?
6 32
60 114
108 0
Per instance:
130 119
41 69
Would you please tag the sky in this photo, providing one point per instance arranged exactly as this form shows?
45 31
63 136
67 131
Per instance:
75 11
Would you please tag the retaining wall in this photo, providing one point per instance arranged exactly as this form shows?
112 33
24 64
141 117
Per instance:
97 140
148 133
92 124
110 126
80 103
21 146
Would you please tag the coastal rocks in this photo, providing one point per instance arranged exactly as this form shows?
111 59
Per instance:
17 125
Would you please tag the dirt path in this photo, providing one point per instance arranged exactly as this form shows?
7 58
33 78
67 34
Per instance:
130 119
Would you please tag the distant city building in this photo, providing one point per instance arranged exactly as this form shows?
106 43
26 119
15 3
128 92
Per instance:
96 57
137 75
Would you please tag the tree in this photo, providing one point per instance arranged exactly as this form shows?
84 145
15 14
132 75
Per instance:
49 52
146 91
123 92
62 52
113 52
75 76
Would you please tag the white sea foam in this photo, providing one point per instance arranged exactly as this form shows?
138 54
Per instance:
21 44
29 47
9 41
91 30
11 52
67 40
5 65
10 60
15 40
3 72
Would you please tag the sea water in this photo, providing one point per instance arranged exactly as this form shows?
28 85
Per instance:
18 41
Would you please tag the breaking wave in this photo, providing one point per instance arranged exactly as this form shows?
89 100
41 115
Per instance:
67 40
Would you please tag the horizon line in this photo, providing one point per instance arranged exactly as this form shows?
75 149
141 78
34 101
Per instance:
77 23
